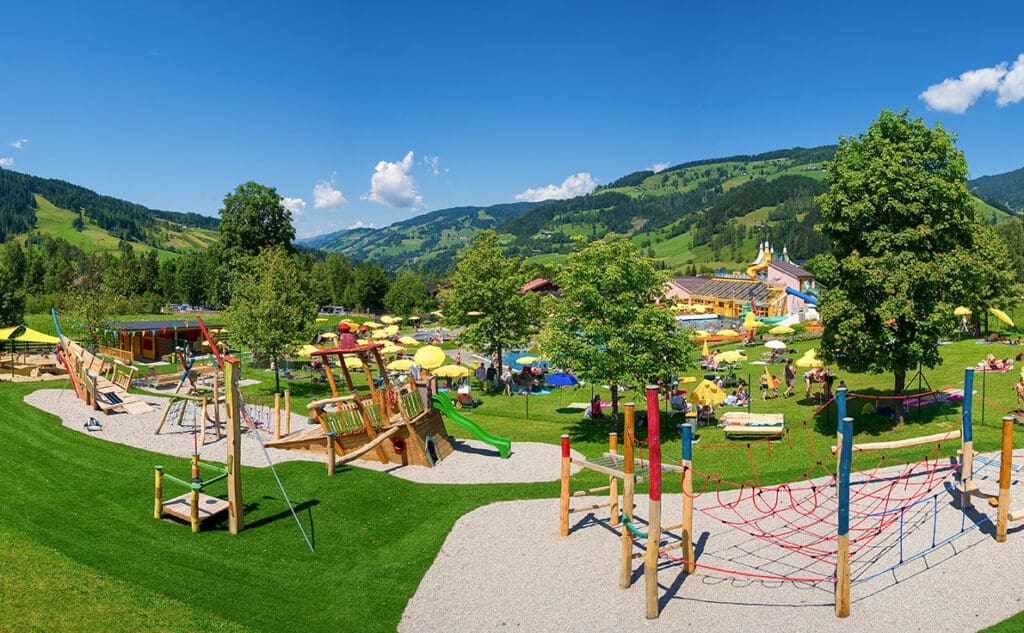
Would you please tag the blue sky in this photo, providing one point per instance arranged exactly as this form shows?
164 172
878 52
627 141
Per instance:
362 114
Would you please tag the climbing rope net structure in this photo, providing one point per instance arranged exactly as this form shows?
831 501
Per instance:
853 514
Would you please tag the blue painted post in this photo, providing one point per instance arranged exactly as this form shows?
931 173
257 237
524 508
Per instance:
845 441
967 440
841 403
687 489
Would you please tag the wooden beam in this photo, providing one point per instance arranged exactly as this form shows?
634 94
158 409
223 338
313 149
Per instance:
910 441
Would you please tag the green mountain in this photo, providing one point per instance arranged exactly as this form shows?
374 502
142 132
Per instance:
93 221
1003 191
429 241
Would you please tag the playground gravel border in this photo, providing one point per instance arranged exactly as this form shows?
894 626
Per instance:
472 462
504 567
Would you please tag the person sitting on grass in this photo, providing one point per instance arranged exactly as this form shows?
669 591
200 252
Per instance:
742 397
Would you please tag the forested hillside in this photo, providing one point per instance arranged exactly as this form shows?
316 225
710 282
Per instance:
1003 191
428 242
119 218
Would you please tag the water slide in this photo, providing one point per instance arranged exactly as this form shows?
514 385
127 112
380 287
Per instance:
806 297
444 404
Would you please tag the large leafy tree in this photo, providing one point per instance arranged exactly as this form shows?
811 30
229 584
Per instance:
407 294
907 248
271 308
253 218
370 283
608 325
486 298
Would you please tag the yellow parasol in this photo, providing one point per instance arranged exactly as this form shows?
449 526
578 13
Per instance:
391 330
387 319
379 334
437 313
306 351
707 393
781 329
373 325
727 333
321 320
700 334
413 318
328 335
962 311
526 360
391 348
810 359
401 364
474 313
353 362
705 352
409 341
452 371
730 356
1002 316
698 308
429 357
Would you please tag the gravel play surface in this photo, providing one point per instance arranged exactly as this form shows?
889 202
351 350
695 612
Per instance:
504 567
473 461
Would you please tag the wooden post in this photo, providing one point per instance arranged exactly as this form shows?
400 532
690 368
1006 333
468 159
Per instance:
967 441
232 371
330 453
277 416
613 483
202 421
94 393
216 404
1005 463
158 493
654 504
844 440
194 506
628 484
563 503
287 412
689 564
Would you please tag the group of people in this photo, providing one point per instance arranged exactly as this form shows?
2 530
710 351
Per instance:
770 382
529 380
991 363
820 375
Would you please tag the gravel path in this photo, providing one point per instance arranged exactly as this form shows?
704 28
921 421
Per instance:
473 462
503 567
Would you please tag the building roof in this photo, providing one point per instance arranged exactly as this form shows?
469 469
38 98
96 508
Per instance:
690 284
790 269
538 284
738 289
142 326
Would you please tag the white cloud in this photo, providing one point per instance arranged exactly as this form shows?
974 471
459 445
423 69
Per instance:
659 167
295 205
18 143
393 186
326 196
1011 90
362 225
956 95
6 161
575 185
434 163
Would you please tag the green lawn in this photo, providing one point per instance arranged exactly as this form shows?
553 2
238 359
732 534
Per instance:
76 511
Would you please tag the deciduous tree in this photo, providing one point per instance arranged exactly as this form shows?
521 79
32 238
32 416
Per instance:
253 218
905 251
608 326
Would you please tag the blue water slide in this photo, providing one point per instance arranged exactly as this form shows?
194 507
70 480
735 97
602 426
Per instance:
806 297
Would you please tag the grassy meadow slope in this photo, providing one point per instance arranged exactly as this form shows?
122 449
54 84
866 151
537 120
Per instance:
56 222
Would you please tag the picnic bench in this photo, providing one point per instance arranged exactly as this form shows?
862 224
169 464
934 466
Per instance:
742 423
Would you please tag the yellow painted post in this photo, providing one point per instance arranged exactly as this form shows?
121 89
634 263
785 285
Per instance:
287 411
232 371
1005 463
277 416
158 493
613 482
628 484
563 503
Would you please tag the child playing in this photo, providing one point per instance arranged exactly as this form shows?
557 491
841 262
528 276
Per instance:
775 386
764 386
1019 388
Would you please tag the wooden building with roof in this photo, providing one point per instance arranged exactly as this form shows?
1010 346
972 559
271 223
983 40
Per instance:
152 340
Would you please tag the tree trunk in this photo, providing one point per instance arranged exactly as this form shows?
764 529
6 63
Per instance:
277 375
898 388
498 369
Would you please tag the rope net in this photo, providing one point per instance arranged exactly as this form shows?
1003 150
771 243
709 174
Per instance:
788 532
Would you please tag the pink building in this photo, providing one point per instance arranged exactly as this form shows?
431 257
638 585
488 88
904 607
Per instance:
784 274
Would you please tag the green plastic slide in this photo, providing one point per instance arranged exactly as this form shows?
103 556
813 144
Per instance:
444 404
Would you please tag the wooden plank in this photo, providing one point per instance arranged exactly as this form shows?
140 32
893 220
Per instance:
369 446
601 469
180 507
587 508
911 441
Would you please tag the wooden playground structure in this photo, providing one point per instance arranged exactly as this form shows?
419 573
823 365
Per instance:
190 397
630 470
392 421
195 506
101 383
